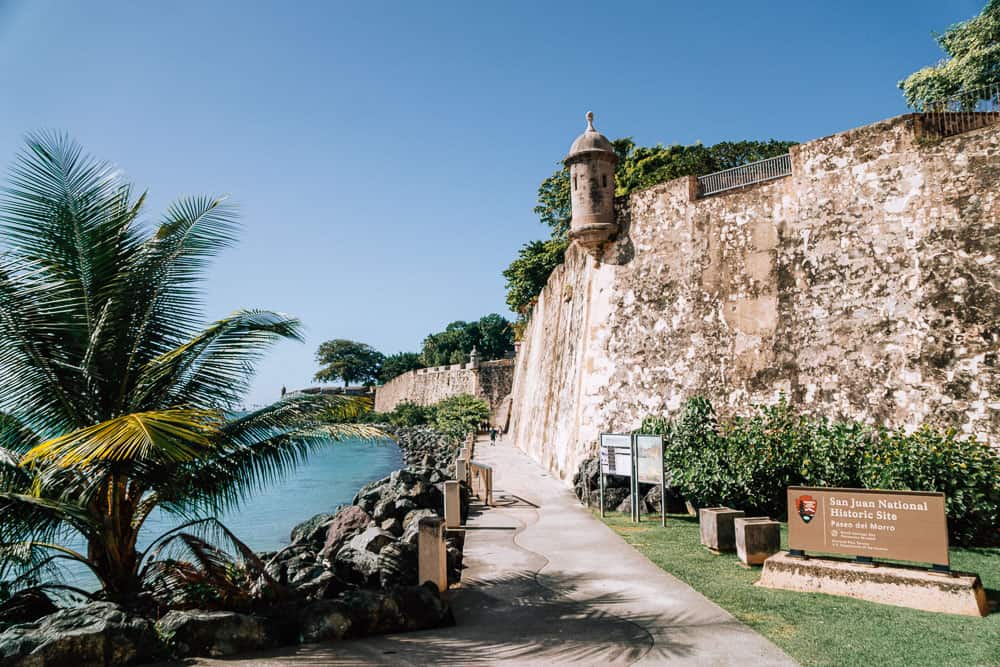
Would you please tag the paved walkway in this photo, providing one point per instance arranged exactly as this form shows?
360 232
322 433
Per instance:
546 583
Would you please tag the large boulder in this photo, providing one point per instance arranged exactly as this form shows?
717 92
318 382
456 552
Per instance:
25 607
393 526
325 620
612 498
401 609
371 539
675 502
357 567
397 565
411 524
311 530
324 586
347 523
421 607
98 634
213 633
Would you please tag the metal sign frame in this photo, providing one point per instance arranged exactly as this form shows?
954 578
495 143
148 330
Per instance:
662 481
607 451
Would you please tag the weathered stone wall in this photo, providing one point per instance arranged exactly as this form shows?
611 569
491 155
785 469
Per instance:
491 381
863 285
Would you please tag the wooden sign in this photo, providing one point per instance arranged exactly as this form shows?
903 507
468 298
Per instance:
897 525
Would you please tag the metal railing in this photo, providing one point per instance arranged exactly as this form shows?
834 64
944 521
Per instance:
962 112
747 174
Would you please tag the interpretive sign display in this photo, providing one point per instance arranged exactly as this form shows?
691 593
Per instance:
649 467
649 458
897 525
616 454
638 457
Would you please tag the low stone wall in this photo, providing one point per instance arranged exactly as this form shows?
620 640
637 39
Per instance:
491 381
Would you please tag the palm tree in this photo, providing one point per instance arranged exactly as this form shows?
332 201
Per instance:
113 401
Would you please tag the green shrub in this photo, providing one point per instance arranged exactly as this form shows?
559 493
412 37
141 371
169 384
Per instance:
965 470
461 414
748 462
411 414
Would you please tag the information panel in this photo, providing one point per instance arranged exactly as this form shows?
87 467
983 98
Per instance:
649 458
898 525
616 454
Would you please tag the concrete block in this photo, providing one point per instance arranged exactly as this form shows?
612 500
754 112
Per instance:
757 538
452 505
432 554
718 531
958 593
461 470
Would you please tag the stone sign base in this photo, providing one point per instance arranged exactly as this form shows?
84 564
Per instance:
888 584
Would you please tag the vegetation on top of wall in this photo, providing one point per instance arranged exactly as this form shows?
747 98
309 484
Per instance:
491 335
353 362
638 167
973 49
747 462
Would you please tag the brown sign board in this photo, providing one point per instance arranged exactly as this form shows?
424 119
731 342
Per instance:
896 525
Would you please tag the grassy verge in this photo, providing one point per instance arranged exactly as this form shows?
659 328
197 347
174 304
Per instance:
818 629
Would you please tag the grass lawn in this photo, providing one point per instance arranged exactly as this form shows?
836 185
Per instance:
818 629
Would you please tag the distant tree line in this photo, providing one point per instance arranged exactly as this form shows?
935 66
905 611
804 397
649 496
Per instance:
353 362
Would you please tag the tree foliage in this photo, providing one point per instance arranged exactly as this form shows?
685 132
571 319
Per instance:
349 361
114 401
395 365
491 335
638 167
527 275
461 414
973 50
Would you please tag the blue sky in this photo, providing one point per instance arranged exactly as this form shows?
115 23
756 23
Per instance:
385 156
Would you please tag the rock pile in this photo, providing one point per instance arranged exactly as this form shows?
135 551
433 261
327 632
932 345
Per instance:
349 573
617 494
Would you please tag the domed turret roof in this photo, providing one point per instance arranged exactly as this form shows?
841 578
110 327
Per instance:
590 141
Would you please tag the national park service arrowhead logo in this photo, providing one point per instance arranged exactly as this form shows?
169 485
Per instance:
807 507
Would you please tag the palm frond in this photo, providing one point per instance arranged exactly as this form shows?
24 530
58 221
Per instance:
29 518
215 367
187 556
162 283
70 222
166 436
262 448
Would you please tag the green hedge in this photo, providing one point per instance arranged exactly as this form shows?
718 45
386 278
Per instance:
747 462
457 415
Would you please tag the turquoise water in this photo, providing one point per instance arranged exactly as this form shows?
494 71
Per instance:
330 477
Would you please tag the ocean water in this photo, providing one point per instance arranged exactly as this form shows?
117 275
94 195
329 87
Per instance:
330 477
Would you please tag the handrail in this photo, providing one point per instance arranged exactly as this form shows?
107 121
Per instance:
744 175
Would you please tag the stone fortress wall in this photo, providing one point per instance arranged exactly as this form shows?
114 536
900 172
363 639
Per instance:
489 380
866 284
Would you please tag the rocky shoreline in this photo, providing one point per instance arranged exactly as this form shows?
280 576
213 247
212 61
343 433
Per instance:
346 574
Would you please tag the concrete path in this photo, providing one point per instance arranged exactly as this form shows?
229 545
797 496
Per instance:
547 583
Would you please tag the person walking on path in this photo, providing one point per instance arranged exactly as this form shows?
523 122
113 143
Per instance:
493 435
